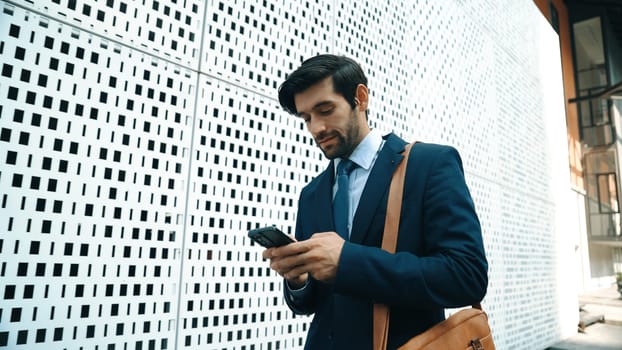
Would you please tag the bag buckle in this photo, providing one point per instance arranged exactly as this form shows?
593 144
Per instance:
476 344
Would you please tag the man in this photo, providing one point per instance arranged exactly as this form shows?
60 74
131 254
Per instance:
440 261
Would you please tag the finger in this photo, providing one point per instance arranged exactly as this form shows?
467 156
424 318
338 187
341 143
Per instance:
299 281
290 272
291 249
284 264
324 234
267 254
295 272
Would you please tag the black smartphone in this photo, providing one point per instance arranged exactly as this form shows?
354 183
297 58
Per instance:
269 237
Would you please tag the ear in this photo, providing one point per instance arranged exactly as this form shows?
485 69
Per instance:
361 97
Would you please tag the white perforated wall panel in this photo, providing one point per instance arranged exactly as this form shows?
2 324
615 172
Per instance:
140 140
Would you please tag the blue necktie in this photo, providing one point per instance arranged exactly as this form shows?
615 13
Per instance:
341 202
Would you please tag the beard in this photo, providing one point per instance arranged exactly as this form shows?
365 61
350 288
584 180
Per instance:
344 143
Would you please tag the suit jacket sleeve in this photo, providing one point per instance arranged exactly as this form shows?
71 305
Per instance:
440 259
303 302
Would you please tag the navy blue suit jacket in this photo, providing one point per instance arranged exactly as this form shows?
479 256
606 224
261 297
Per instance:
439 263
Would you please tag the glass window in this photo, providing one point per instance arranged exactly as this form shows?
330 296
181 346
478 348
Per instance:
607 193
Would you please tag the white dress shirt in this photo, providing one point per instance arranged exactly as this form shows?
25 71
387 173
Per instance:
364 155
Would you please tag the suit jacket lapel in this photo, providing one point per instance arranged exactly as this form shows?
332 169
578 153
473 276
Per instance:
376 187
322 205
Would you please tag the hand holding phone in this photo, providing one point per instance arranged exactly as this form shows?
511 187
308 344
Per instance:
269 237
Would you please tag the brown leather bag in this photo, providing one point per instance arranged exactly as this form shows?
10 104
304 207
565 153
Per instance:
466 329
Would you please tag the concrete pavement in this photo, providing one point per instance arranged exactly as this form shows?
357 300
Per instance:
601 313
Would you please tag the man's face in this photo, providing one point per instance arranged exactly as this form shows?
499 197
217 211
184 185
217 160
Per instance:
335 126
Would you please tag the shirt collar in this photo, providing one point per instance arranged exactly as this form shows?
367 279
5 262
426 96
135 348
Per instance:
364 154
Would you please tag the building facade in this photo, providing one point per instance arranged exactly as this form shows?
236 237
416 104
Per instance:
590 33
140 140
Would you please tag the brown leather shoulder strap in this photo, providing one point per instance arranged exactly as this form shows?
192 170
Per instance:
389 243
394 204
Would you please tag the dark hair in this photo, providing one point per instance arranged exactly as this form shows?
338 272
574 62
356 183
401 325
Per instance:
346 74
